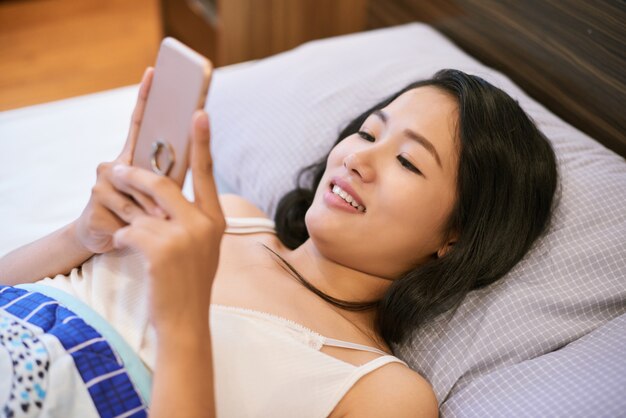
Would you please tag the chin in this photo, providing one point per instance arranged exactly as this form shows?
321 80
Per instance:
314 220
321 225
329 232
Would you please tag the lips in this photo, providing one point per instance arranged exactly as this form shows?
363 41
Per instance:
343 184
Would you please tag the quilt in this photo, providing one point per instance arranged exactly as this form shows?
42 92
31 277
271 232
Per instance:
54 363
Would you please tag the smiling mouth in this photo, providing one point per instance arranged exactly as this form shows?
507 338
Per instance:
347 197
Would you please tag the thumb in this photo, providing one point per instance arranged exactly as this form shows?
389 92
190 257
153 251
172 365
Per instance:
204 188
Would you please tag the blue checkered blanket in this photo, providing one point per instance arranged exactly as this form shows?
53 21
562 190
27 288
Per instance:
54 363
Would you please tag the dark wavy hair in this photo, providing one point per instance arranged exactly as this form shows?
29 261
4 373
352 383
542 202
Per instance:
507 178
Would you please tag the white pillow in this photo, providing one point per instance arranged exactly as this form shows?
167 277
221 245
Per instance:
280 114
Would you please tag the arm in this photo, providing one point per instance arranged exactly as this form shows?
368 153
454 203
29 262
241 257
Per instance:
181 254
183 379
56 253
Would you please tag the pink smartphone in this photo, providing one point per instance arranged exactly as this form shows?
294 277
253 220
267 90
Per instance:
179 87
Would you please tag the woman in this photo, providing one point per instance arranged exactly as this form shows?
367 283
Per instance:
435 191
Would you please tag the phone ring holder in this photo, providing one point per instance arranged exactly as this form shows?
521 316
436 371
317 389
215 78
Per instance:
157 146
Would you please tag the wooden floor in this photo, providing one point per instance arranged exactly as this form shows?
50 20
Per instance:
54 49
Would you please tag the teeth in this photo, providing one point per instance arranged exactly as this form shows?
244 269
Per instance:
347 197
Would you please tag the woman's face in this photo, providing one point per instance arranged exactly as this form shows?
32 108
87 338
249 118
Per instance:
400 172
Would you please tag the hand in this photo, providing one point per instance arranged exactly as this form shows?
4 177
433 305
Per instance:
180 251
107 209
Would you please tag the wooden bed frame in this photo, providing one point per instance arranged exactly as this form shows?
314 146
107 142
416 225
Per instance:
570 55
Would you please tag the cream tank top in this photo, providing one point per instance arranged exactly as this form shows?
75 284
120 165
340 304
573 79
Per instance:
264 365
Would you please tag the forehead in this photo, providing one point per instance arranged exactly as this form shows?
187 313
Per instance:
426 107
433 114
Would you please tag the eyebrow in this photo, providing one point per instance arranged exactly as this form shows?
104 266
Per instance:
414 136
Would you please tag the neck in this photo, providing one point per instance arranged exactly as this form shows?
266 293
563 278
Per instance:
334 279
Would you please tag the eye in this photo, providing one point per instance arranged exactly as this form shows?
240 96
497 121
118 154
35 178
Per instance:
405 163
366 136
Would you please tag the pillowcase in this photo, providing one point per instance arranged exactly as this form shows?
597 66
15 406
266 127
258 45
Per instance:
273 117
587 378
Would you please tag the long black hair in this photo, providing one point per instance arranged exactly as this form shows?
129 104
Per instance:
506 182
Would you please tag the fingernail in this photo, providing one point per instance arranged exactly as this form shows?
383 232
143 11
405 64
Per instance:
120 169
204 121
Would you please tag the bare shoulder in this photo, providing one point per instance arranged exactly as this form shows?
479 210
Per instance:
393 391
238 207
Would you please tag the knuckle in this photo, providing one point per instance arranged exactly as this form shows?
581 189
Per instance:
96 190
127 208
103 168
100 193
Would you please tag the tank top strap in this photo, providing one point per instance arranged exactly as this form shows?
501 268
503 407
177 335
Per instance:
353 346
372 365
249 225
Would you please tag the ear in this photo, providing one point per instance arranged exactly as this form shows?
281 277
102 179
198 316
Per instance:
447 247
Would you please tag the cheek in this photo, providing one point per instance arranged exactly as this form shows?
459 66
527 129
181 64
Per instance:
416 218
336 155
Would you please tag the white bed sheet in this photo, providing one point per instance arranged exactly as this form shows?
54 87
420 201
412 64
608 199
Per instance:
77 134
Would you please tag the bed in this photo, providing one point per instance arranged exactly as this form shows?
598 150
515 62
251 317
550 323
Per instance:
548 340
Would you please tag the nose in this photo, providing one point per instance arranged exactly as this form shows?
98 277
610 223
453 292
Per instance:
358 164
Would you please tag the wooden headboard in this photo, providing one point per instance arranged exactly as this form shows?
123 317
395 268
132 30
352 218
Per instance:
570 55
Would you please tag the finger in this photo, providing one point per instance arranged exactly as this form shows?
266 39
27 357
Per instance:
145 204
204 189
126 207
140 235
132 237
135 124
154 225
162 190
